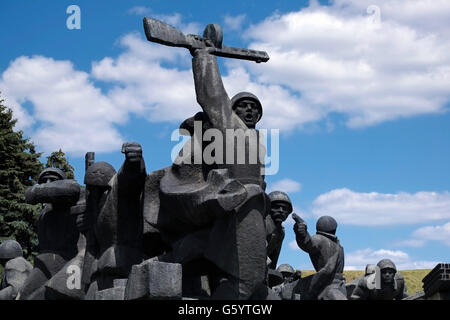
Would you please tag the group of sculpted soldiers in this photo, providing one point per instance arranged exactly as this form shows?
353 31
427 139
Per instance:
211 223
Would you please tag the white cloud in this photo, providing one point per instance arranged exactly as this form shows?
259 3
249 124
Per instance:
338 60
323 59
378 209
294 246
285 185
357 260
141 83
234 22
70 112
421 236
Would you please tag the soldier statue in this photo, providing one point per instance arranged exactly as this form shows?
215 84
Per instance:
290 280
392 284
113 220
280 209
327 256
210 216
15 269
57 231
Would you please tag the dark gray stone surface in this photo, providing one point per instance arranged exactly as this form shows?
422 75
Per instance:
391 284
154 280
57 231
116 293
327 256
210 215
15 273
280 209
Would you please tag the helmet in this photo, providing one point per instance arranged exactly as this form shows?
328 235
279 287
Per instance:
280 196
274 278
286 268
99 174
385 264
326 224
250 96
370 268
51 172
10 249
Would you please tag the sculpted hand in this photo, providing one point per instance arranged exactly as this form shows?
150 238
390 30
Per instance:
132 151
300 227
209 47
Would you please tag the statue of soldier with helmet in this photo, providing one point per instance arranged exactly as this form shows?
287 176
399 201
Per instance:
15 269
212 214
57 232
280 209
327 257
391 285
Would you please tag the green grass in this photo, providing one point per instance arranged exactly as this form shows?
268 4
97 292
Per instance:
413 278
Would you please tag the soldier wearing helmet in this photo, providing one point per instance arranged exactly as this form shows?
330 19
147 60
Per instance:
57 232
114 219
327 256
280 209
248 108
16 269
391 284
221 204
371 277
291 277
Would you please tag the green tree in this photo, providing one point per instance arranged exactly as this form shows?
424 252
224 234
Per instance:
19 169
58 160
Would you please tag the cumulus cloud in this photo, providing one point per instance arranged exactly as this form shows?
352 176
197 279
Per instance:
234 22
67 112
141 83
293 245
324 59
379 209
340 59
285 185
357 260
439 233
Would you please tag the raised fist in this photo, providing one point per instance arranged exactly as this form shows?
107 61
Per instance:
132 151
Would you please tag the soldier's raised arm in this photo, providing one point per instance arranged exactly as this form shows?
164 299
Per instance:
301 234
131 176
209 89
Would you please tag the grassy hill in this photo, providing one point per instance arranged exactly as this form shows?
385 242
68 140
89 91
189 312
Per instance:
413 278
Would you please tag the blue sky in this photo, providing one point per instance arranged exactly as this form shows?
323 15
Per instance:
360 91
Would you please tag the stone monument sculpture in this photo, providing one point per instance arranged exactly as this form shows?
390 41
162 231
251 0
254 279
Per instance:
114 219
291 278
392 284
327 256
15 269
280 209
57 232
209 217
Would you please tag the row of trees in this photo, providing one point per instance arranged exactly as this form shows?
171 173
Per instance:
19 168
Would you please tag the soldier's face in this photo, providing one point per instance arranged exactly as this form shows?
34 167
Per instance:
387 275
279 211
288 277
49 178
248 112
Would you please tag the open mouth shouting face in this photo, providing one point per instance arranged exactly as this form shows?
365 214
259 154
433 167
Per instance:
247 110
